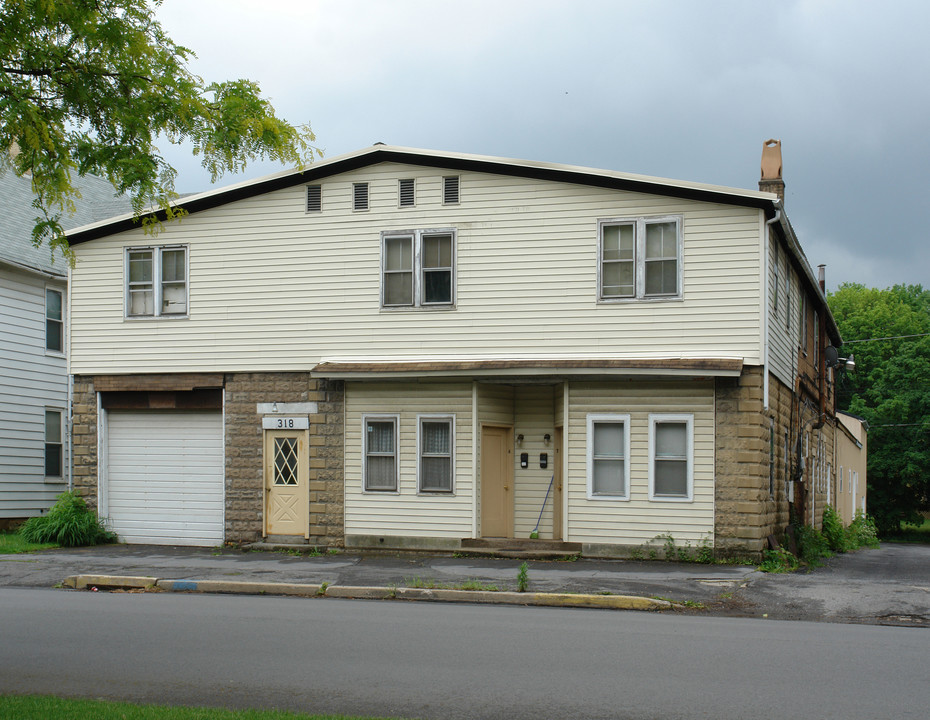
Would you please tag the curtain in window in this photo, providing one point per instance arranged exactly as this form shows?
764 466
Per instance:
436 456
617 256
141 290
398 271
661 258
380 459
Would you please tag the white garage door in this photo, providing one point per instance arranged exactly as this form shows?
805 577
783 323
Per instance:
165 477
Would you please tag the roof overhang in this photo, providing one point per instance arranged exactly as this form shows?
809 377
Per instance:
503 369
445 160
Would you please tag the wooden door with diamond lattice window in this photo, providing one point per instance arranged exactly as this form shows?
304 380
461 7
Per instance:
286 483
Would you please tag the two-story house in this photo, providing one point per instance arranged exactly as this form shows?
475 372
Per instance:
404 348
34 387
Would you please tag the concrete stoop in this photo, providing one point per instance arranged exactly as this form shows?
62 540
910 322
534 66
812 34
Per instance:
522 548
145 583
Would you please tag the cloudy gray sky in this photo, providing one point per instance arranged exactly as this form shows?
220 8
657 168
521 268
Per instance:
687 90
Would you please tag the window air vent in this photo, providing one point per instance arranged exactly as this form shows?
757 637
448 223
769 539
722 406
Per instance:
314 198
407 198
450 190
360 196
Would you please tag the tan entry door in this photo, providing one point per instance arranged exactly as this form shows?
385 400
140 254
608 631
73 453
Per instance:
496 482
286 483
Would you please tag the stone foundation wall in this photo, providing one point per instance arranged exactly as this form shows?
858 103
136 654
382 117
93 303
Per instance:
751 501
84 436
244 452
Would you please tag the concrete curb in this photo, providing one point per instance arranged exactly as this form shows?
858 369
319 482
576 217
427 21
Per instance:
122 582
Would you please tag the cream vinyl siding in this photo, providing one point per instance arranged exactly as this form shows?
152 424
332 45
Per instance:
638 520
31 380
273 288
406 512
533 418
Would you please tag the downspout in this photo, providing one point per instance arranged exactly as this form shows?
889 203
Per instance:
765 306
70 386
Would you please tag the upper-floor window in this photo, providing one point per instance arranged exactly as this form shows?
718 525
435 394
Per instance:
639 258
418 268
53 444
54 321
360 196
156 281
314 198
406 192
775 281
450 190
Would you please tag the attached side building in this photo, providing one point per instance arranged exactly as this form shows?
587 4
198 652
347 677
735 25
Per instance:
404 348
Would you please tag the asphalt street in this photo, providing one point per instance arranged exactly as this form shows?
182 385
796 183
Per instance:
889 586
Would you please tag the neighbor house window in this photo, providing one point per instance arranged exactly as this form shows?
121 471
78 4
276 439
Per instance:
775 281
380 456
53 444
608 443
406 192
418 268
54 321
434 455
670 457
156 283
450 190
639 258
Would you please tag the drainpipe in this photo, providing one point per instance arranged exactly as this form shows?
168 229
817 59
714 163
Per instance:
70 427
765 313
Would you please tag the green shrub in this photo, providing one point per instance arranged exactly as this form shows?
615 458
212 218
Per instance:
69 523
862 531
834 532
812 545
779 560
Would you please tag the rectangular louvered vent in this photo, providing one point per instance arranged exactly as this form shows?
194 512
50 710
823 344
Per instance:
360 196
450 190
407 198
314 198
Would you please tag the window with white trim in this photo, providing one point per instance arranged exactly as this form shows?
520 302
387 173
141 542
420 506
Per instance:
608 464
671 457
53 443
156 281
418 268
435 454
775 281
54 321
379 437
639 258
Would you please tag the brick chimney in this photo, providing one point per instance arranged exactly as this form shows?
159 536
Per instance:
771 169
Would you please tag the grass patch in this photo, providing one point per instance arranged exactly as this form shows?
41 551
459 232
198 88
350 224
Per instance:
12 543
70 523
37 707
470 584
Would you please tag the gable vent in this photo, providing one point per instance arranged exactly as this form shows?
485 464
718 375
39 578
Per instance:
407 198
314 198
450 190
360 196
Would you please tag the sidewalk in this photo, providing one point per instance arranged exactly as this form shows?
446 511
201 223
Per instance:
586 583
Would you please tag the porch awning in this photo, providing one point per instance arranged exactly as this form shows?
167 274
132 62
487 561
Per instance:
557 368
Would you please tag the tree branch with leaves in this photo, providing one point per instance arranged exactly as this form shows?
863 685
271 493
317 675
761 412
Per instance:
88 86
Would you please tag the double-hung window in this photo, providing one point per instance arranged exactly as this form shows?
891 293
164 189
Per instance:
671 457
54 321
608 443
639 258
156 281
435 457
53 443
380 456
418 268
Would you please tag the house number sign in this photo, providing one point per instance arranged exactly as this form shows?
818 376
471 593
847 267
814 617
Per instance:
286 423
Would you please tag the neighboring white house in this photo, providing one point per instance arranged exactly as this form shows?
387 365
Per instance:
34 387
406 348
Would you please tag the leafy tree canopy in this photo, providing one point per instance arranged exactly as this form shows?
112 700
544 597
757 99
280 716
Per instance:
891 390
88 86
